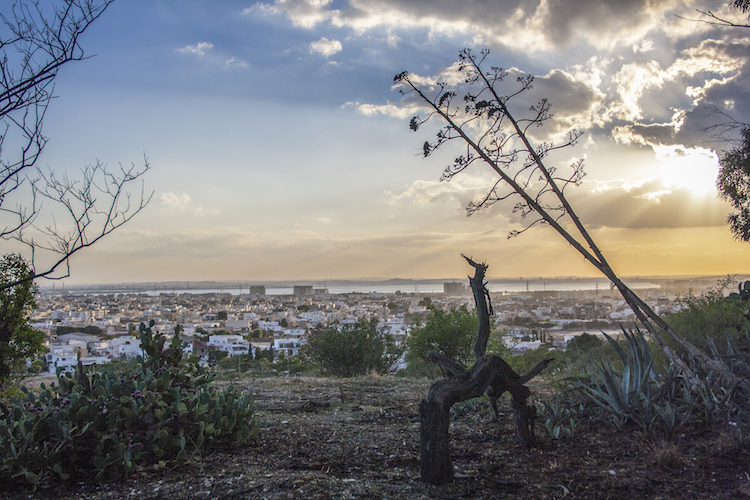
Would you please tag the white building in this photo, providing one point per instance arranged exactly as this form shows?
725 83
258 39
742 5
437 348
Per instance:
64 357
61 355
295 332
290 345
263 346
522 347
128 347
233 344
238 325
270 326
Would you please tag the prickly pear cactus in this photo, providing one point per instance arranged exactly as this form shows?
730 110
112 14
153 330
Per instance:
743 292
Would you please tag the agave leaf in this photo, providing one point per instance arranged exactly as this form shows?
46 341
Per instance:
626 380
617 347
613 388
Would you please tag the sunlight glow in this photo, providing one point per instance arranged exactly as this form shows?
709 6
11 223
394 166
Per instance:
694 169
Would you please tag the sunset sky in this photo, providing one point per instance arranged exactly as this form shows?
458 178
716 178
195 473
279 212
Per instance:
280 149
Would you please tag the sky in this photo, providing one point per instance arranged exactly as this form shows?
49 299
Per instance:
280 149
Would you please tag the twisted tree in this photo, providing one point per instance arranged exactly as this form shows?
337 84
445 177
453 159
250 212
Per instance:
37 39
489 374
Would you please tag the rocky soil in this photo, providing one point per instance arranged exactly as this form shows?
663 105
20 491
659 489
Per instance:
334 438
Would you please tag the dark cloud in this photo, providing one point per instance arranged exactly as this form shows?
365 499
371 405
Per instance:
564 20
559 22
655 134
713 95
574 103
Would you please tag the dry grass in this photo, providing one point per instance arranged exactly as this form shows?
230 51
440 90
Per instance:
359 438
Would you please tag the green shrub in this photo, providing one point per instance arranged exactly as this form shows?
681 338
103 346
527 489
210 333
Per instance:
348 350
662 397
584 342
559 419
159 410
631 381
18 340
522 363
711 316
451 333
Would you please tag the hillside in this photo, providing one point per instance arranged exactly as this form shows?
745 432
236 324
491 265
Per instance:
359 438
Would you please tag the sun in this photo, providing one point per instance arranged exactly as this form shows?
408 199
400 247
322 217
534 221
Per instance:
694 169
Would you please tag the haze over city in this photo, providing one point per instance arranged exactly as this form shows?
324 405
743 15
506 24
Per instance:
280 150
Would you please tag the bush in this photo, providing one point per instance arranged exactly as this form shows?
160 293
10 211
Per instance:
215 356
154 412
659 397
584 342
451 333
711 317
522 363
18 341
88 329
348 350
631 381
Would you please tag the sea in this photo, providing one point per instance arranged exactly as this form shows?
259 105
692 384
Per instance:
432 287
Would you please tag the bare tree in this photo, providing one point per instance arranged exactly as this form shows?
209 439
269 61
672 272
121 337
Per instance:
492 135
490 374
36 40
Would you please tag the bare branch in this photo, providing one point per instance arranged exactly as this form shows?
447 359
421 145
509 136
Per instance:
93 206
532 180
36 43
716 20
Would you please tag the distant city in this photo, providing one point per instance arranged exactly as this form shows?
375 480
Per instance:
100 322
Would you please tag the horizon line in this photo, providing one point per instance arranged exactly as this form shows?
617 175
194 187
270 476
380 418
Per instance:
367 280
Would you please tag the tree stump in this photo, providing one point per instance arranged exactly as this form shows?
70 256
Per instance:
437 467
434 411
489 374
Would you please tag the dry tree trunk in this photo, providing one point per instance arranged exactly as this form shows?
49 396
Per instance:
489 373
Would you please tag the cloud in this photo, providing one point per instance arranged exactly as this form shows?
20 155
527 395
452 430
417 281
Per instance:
603 23
326 47
392 39
205 51
451 198
199 49
709 57
519 25
173 201
202 211
711 74
646 45
576 100
651 134
390 109
424 192
235 63
645 205
303 13
612 204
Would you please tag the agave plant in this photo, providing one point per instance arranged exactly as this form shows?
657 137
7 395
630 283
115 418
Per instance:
625 395
639 392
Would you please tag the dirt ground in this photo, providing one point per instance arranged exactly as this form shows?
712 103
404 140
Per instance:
345 439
